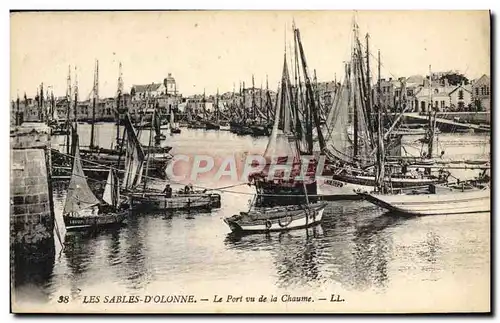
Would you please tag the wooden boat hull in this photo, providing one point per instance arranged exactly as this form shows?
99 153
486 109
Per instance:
212 126
452 202
348 187
276 219
96 222
158 201
175 130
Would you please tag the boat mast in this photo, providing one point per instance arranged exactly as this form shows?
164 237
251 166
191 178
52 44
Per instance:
75 104
354 90
380 151
94 102
309 93
217 106
244 104
268 103
118 102
368 81
253 97
149 145
68 111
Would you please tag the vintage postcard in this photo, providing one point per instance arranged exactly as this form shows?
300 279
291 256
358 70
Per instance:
250 162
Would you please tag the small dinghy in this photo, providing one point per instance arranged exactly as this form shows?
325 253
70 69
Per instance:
277 218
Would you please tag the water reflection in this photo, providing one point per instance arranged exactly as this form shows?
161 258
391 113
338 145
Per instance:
135 251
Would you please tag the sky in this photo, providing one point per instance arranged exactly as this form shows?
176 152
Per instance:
210 50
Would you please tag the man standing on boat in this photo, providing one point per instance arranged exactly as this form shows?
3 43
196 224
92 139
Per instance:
168 191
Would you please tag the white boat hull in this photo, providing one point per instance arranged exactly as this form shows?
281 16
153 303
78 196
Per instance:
301 220
225 128
475 201
334 189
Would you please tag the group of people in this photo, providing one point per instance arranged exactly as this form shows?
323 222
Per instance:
188 189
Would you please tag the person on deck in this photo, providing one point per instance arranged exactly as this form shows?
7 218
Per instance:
168 191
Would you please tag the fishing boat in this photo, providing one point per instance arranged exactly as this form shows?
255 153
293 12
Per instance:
452 199
135 185
351 144
284 202
80 200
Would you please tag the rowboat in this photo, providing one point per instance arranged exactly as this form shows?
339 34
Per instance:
444 200
277 218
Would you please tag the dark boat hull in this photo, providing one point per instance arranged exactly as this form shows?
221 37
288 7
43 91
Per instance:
157 201
74 223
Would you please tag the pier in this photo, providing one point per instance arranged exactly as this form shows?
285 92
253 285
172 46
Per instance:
448 122
31 204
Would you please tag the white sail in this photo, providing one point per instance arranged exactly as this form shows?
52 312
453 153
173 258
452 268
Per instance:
108 190
112 190
79 195
134 161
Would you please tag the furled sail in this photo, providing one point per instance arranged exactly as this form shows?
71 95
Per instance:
279 145
80 195
134 160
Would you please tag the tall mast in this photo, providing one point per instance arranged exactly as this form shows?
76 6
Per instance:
354 80
431 124
75 104
41 103
253 97
118 102
18 121
204 105
68 110
244 103
368 81
260 103
94 103
268 105
217 106
380 150
310 94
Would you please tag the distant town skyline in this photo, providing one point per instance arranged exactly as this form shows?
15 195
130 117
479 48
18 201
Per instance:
210 50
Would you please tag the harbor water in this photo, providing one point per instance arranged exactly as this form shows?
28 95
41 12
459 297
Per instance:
358 250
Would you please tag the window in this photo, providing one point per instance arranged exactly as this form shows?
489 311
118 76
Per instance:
482 90
409 93
442 104
436 91
477 91
486 90
460 94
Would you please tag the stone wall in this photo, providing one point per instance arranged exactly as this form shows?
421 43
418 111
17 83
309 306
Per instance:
31 206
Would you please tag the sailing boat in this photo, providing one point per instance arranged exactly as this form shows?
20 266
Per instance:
351 153
471 196
282 204
134 184
80 199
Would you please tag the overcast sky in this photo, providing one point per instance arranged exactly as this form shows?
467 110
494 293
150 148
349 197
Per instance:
210 50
